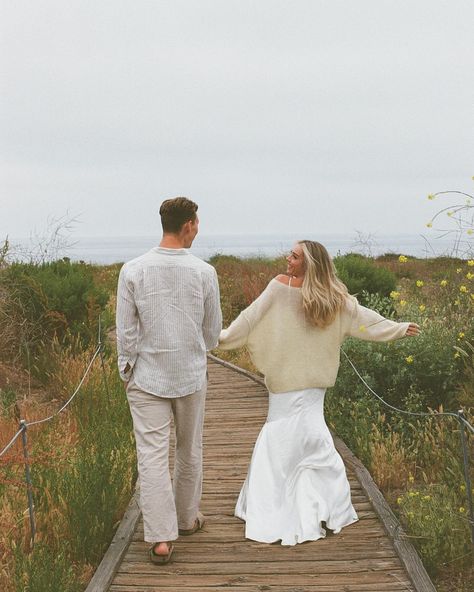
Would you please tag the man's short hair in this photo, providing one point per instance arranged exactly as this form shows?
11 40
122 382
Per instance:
176 212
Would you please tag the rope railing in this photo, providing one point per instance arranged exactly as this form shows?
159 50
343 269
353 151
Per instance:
463 423
24 425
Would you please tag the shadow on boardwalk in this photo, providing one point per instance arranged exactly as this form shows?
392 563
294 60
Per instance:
370 555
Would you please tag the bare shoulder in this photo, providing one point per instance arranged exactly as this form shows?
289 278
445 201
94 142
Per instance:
282 278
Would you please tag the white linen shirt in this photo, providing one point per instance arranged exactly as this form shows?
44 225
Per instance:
168 316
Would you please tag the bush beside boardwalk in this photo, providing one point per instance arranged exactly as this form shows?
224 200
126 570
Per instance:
83 461
84 464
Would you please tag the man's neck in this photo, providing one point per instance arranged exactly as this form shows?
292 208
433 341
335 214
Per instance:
172 241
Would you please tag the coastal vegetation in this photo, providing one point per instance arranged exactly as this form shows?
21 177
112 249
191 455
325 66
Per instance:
83 463
82 460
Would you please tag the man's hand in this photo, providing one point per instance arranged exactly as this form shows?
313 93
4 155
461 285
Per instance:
413 330
126 369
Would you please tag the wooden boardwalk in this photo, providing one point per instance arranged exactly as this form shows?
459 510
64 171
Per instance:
365 556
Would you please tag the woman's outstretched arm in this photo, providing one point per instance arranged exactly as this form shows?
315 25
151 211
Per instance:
369 325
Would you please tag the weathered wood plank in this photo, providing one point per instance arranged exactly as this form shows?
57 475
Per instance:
268 587
166 574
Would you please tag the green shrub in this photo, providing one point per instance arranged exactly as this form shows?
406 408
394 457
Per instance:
439 516
382 304
42 302
360 274
426 365
67 288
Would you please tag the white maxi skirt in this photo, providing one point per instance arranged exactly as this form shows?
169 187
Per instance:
296 478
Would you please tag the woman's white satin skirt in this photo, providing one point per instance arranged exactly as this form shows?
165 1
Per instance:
296 479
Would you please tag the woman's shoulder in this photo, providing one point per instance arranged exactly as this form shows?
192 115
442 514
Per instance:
282 278
350 304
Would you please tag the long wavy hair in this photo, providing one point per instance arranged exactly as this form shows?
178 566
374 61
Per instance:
323 292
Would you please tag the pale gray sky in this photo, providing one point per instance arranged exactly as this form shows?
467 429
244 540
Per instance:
299 116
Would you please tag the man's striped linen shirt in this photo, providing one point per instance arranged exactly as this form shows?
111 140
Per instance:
168 316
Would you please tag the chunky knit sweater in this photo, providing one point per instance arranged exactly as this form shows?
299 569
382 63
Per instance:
291 352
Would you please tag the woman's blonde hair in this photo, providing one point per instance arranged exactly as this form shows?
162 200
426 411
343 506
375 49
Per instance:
323 292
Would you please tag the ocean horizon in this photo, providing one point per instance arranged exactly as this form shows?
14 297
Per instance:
118 249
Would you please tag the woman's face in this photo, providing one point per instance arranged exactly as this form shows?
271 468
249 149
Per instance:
295 261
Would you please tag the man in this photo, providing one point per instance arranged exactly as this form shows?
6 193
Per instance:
168 316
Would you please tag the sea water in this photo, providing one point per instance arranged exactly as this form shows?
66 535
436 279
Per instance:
107 250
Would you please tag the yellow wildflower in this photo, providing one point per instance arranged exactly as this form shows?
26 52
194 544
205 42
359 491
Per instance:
462 487
394 294
426 498
411 478
463 289
411 493
431 196
462 510
472 296
403 259
420 283
443 283
449 214
409 359
429 224
422 308
410 514
403 302
399 500
457 355
457 302
460 335
362 328
458 270
469 276
471 262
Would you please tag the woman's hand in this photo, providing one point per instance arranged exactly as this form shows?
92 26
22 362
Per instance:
413 330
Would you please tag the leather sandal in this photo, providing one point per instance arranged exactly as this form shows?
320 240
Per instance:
198 524
160 559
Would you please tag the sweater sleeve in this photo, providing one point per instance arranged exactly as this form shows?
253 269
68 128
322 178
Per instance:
237 334
369 325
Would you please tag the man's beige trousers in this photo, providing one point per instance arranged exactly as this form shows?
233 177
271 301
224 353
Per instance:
168 507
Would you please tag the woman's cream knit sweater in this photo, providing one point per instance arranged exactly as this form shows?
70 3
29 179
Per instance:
292 353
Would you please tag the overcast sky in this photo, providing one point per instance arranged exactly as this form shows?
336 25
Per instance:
301 116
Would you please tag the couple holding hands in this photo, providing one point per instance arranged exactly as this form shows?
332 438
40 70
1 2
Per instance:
169 316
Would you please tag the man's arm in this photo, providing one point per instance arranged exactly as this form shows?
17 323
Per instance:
126 327
212 322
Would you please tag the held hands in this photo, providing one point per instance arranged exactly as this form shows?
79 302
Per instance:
413 330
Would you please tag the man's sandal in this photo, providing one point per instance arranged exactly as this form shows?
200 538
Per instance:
198 524
160 559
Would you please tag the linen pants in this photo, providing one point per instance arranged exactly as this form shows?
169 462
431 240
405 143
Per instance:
168 507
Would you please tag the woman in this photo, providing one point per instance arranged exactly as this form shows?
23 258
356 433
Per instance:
293 331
